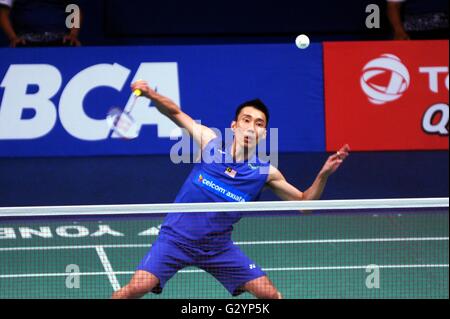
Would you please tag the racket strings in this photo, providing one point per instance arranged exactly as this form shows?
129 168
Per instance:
122 123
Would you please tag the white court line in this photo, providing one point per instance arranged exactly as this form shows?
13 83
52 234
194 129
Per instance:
272 242
111 274
100 273
201 271
73 247
337 267
108 268
356 267
338 241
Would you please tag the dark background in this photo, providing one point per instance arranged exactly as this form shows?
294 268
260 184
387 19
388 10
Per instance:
140 22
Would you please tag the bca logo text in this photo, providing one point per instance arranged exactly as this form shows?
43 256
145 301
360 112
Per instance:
71 108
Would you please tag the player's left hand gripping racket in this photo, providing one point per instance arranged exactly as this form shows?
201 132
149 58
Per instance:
121 122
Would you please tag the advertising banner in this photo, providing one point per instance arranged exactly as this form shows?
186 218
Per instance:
386 95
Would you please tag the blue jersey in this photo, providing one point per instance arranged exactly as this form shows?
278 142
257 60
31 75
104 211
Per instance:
215 179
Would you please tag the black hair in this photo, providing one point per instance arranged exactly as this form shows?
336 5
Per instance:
257 104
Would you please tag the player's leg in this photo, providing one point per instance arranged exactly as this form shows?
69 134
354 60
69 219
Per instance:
142 283
162 261
262 288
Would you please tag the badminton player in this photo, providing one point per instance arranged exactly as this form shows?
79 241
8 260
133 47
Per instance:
204 239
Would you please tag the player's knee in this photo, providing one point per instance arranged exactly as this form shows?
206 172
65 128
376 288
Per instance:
139 289
270 293
124 293
274 294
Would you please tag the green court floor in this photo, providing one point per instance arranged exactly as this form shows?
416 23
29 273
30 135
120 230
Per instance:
339 255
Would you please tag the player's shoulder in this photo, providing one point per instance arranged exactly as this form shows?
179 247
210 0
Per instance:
274 174
215 141
204 134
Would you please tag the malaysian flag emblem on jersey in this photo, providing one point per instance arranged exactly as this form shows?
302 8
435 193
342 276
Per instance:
230 172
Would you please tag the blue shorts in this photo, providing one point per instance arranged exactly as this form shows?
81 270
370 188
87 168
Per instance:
230 266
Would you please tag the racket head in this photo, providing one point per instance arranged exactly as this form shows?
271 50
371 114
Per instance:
122 123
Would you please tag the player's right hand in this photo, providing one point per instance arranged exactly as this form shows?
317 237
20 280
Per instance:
145 89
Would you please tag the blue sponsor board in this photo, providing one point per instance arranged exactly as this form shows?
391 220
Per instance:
54 101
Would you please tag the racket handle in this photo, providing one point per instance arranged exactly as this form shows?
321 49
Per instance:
137 92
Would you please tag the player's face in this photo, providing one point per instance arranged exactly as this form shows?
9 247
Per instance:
250 127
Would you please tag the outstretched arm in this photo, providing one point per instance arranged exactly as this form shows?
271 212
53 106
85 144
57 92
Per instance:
283 189
200 133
